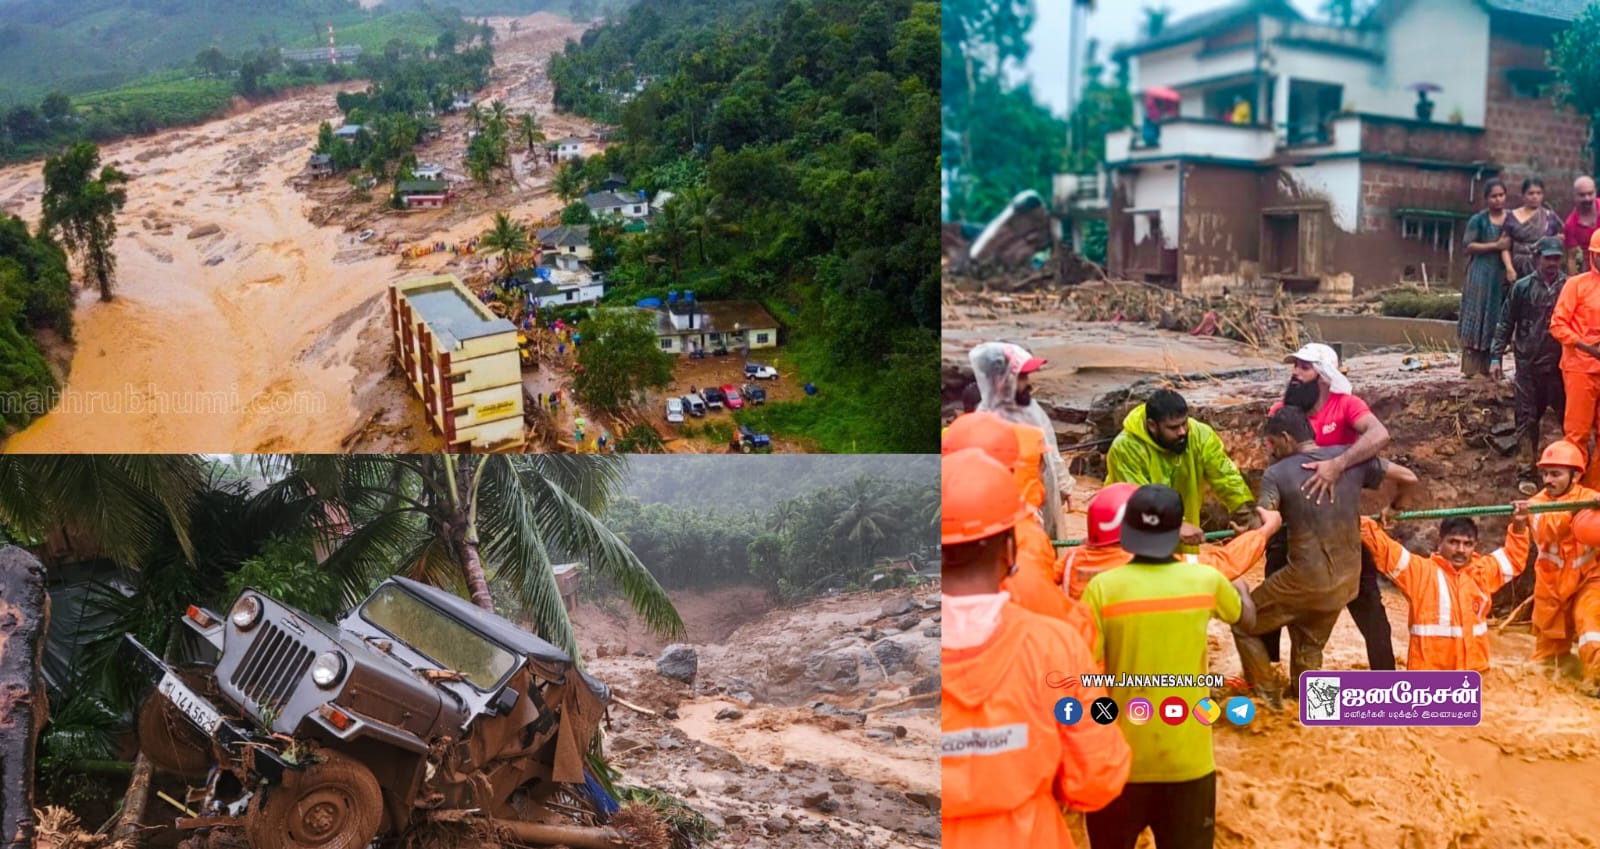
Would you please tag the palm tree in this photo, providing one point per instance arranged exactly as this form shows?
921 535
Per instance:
568 183
500 113
118 505
510 237
866 520
785 515
671 229
700 213
458 521
475 115
528 130
83 208
1155 20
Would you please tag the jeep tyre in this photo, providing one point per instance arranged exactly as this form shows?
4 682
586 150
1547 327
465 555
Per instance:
334 804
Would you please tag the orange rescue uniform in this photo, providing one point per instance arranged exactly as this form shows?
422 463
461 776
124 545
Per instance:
1449 607
1576 318
1008 766
1566 590
1232 560
1033 585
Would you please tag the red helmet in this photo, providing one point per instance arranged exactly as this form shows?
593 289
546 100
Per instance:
1105 513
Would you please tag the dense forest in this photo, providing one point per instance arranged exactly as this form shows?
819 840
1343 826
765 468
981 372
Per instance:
35 294
801 545
758 483
801 138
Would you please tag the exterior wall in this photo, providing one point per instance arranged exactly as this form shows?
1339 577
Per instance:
1528 136
424 201
753 337
485 418
1454 37
1337 181
480 373
1181 64
1220 226
1133 249
581 295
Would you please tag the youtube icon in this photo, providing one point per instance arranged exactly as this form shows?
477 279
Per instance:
1174 711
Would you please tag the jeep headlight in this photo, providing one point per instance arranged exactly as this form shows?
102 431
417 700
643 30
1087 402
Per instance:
327 669
245 612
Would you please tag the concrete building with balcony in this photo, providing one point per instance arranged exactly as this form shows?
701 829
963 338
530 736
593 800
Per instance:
1341 180
461 360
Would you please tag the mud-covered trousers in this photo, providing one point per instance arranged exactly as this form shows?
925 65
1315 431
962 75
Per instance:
1366 608
1179 814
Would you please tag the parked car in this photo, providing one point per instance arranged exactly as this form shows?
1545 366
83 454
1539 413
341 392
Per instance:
417 702
365 235
731 392
714 398
675 411
694 404
754 395
757 371
720 351
746 440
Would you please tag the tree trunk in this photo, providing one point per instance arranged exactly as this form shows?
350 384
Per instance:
466 531
134 802
24 619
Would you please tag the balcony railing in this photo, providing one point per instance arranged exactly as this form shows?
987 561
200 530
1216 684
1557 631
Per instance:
1193 137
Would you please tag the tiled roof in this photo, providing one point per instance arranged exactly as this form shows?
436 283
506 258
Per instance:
1565 10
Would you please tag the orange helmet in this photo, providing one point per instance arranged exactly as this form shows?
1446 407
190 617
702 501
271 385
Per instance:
985 431
978 498
1105 513
1562 453
1594 242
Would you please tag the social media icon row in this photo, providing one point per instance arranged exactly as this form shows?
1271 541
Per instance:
1174 711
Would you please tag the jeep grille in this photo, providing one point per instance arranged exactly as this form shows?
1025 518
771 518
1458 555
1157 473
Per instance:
271 666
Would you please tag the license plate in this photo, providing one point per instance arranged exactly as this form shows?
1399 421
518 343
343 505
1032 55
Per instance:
201 714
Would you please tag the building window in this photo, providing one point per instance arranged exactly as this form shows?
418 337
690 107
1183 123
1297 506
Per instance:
666 344
1438 232
761 338
569 296
460 377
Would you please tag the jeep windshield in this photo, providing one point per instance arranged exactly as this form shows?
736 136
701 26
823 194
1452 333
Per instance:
442 639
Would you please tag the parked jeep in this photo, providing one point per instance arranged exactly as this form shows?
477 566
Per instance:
745 440
416 702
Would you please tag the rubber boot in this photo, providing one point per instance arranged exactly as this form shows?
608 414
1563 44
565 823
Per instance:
1528 482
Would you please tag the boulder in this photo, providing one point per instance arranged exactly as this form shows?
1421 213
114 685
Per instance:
679 662
204 230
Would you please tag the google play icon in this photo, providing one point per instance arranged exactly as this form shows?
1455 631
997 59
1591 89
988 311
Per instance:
1206 711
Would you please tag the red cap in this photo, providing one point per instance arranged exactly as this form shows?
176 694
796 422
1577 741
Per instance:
1032 365
1105 513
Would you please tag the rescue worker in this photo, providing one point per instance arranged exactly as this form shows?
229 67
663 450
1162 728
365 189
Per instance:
1160 444
1008 766
1566 589
1324 569
1002 371
1537 384
1338 417
1034 585
1103 546
1152 615
1575 323
1450 592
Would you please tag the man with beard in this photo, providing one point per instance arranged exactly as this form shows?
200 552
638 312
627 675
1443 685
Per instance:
1537 383
1324 569
1002 371
1449 592
1160 444
1582 222
1338 418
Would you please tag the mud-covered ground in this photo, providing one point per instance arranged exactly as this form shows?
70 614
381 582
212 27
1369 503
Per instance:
806 726
1520 779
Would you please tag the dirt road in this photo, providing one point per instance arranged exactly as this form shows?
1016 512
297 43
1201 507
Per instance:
268 334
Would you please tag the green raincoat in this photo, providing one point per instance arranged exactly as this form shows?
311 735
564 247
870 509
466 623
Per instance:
1136 458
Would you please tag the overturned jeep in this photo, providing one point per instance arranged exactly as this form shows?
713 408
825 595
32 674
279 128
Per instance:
308 734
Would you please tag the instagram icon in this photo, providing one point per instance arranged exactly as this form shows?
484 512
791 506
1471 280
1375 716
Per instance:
1139 711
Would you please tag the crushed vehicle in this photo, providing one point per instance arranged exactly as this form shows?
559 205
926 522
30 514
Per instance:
416 703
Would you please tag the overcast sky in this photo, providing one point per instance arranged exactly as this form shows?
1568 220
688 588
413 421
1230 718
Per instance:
1113 22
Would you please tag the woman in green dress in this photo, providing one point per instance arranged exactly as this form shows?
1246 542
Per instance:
1489 272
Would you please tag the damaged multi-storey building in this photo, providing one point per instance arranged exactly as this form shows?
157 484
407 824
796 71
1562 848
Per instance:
1364 151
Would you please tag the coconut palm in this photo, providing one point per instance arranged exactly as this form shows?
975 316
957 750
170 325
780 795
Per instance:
459 521
866 519
527 129
118 505
671 230
476 116
510 237
568 183
700 215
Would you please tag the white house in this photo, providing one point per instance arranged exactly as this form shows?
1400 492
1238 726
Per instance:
659 202
569 148
618 203
562 281
565 239
428 171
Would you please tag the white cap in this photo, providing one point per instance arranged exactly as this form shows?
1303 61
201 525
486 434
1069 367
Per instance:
1326 362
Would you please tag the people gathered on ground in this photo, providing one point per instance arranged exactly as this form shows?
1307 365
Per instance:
1025 614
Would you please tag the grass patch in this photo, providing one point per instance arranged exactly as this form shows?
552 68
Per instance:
372 35
165 99
1409 303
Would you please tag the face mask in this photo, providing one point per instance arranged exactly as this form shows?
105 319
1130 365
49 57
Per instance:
1302 395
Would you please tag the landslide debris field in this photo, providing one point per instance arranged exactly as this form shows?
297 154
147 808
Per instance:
813 725
1522 778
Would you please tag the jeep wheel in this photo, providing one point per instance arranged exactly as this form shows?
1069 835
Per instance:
335 804
169 741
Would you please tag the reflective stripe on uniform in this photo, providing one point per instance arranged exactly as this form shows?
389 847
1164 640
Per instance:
1506 571
1405 560
1444 599
1157 605
1588 637
1437 630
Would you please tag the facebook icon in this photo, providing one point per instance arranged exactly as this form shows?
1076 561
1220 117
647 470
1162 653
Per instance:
1069 711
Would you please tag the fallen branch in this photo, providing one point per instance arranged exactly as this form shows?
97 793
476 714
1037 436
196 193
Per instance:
1512 616
631 706
913 701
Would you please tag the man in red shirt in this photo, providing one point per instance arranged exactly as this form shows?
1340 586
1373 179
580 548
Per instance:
1582 223
1338 418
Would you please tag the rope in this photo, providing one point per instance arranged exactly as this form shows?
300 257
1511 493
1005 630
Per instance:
1413 515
